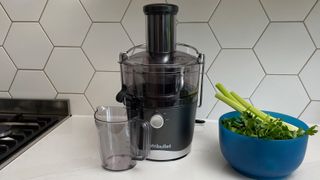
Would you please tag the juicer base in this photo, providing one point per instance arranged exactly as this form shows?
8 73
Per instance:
160 155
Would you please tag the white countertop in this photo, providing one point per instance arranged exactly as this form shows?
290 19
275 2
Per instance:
71 152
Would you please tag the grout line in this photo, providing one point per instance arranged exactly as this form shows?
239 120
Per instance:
10 95
286 21
85 90
45 73
7 34
279 74
214 59
85 37
310 36
29 69
127 34
307 15
45 65
44 7
215 104
85 10
14 77
250 101
212 85
241 48
75 93
215 35
4 48
255 89
5 11
305 89
102 22
265 29
254 52
85 97
89 102
214 10
51 48
305 64
93 74
304 109
125 11
46 34
66 46
36 21
85 54
264 10
91 22
55 97
195 22
107 71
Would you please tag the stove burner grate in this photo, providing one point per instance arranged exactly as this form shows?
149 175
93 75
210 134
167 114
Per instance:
5 130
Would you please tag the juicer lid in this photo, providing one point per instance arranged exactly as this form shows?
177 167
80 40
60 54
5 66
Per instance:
177 59
160 8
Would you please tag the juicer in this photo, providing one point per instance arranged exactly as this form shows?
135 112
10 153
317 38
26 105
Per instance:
160 84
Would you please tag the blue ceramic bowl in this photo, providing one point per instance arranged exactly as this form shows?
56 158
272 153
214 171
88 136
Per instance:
259 158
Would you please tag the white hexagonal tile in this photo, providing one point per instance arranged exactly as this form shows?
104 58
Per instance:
32 84
7 71
134 20
101 48
78 103
106 10
284 48
238 69
103 89
4 25
311 114
310 76
219 109
4 95
312 22
65 22
281 93
189 12
27 10
208 99
28 45
69 70
287 10
238 24
206 43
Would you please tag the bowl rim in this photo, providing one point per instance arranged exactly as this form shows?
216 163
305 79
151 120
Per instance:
260 139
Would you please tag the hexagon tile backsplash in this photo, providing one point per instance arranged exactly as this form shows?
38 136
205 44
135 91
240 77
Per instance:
266 50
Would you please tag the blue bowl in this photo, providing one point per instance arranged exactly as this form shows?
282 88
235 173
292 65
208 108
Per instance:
259 158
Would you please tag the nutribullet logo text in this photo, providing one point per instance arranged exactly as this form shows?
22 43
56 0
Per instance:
163 146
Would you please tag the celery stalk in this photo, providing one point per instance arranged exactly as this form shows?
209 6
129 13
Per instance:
260 114
225 92
249 107
230 102
236 102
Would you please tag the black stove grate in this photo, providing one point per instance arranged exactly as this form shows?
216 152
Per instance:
24 121
23 129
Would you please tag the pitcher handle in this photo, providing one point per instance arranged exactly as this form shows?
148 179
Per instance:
146 142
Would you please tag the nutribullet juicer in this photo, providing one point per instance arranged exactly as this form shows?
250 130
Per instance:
160 84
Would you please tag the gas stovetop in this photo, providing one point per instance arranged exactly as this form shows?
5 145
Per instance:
23 122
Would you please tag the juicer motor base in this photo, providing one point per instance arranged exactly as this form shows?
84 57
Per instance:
161 155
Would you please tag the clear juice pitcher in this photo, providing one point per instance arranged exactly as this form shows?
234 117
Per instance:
122 140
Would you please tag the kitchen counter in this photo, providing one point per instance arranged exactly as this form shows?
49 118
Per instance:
71 152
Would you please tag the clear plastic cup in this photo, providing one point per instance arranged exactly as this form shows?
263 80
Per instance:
122 141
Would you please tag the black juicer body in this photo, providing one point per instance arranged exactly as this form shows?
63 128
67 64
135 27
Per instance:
160 85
